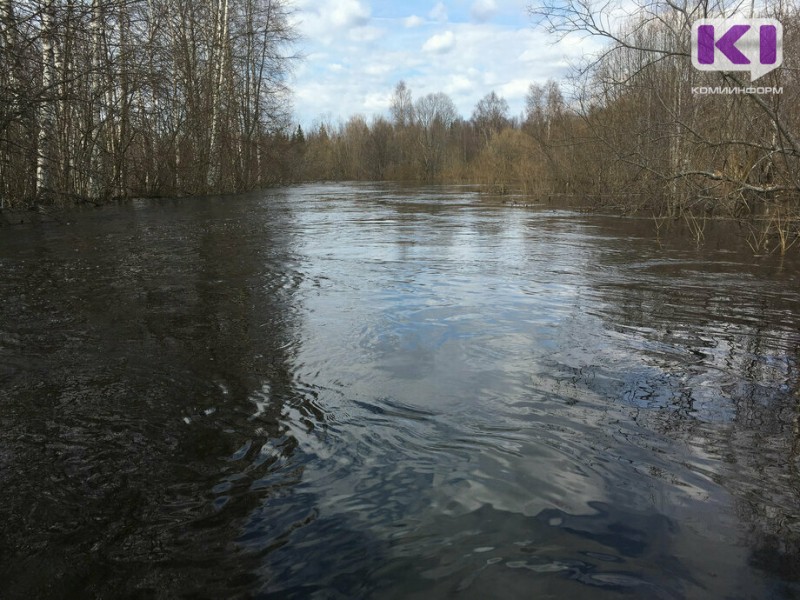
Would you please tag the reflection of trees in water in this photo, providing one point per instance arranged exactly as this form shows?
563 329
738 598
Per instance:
245 315
764 439
150 414
722 375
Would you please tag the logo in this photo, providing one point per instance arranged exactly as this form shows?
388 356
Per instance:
754 45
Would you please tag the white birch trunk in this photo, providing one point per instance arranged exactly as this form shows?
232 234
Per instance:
47 106
96 30
221 43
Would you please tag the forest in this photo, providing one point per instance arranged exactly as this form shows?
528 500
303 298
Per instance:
119 98
635 131
115 98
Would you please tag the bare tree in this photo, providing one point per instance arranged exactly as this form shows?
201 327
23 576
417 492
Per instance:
402 106
490 115
635 97
104 98
435 114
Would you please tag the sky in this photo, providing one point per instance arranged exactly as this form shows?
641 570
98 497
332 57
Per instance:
356 51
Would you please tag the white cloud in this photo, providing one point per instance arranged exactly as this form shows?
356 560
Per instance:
483 10
439 12
458 84
377 102
352 71
378 69
487 60
347 13
366 34
322 21
440 43
515 89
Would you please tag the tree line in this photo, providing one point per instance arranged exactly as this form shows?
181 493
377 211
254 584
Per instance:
113 98
427 140
638 130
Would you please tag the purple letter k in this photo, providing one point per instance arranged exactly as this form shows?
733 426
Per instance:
726 44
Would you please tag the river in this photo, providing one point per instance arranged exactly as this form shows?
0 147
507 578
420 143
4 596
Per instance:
370 391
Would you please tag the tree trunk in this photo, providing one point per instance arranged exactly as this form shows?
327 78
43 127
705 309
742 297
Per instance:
47 105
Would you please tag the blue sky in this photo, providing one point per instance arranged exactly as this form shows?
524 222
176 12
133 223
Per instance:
357 50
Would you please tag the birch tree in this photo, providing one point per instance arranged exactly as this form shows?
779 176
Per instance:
108 98
46 116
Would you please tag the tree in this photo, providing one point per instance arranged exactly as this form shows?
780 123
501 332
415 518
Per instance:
104 98
684 151
381 152
402 106
435 113
490 115
46 116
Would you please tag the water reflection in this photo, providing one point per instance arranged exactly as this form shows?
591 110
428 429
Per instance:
720 350
489 553
360 391
150 402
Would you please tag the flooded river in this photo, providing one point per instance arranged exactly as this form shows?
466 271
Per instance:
375 392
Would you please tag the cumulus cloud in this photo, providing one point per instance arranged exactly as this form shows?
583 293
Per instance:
483 10
465 59
378 69
439 12
413 21
347 13
458 84
482 63
377 101
366 34
319 21
440 43
514 89
530 55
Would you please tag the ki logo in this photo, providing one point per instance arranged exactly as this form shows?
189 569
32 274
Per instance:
754 45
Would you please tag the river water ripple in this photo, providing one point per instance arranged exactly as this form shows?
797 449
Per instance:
359 391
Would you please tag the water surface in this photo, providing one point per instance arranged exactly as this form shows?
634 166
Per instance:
377 392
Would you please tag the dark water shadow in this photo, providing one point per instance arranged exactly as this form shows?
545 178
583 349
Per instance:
150 403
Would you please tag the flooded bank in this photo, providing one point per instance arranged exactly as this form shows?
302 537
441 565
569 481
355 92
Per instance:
372 391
